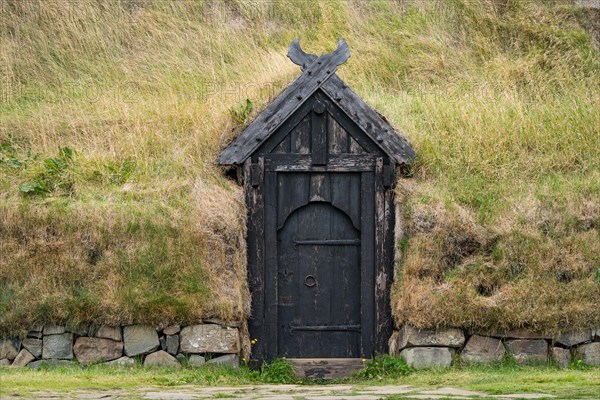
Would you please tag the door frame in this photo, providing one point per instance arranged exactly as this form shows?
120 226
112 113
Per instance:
260 186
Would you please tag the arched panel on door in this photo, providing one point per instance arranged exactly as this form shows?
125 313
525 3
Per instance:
318 285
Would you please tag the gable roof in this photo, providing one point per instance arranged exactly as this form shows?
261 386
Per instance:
318 73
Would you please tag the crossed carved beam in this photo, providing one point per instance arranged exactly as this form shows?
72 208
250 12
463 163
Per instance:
304 59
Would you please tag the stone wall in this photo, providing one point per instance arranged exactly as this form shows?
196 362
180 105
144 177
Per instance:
214 342
440 348
168 347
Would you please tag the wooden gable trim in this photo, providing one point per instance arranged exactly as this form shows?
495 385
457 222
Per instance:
318 73
369 121
284 105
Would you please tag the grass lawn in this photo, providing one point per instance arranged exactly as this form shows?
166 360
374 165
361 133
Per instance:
569 383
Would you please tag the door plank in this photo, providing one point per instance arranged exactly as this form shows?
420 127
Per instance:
337 137
255 245
368 262
325 368
270 235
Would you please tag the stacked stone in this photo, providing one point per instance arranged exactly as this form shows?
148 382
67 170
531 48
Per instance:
424 348
168 347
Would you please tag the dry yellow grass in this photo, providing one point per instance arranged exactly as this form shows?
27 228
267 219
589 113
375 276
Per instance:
499 99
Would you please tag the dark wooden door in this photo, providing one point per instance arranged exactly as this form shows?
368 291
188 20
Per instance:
320 256
319 283
319 238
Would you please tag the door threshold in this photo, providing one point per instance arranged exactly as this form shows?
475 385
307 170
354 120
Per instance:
325 368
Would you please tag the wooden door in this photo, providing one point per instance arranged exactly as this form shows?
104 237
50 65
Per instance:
320 256
319 284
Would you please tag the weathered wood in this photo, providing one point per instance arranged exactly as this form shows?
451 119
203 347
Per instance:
348 124
381 273
368 262
337 137
271 261
255 246
369 121
300 137
355 147
325 368
255 174
293 193
318 181
299 120
319 134
285 146
298 162
298 56
389 174
385 323
284 105
318 243
373 123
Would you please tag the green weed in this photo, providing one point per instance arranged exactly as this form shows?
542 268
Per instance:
278 371
53 175
242 112
383 366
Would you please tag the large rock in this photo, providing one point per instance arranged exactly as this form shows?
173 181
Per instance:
54 330
227 360
122 362
172 344
413 337
172 329
528 351
222 322
8 349
139 339
161 359
34 346
482 349
427 357
590 353
36 332
574 338
5 362
110 332
58 346
92 350
209 338
521 334
23 358
561 356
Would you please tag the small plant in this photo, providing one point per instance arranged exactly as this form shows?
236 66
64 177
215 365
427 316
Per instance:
52 176
578 364
241 113
384 366
279 371
119 172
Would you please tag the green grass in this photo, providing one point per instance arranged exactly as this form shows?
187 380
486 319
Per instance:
562 383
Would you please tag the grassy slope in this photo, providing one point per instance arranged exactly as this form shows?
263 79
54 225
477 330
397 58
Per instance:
502 214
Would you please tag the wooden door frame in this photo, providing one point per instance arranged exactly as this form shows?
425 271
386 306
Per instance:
260 177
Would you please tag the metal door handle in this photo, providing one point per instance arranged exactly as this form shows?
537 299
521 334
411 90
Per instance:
310 281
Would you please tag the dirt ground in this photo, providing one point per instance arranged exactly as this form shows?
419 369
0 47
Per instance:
279 392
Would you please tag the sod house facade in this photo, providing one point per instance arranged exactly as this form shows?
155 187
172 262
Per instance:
318 167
